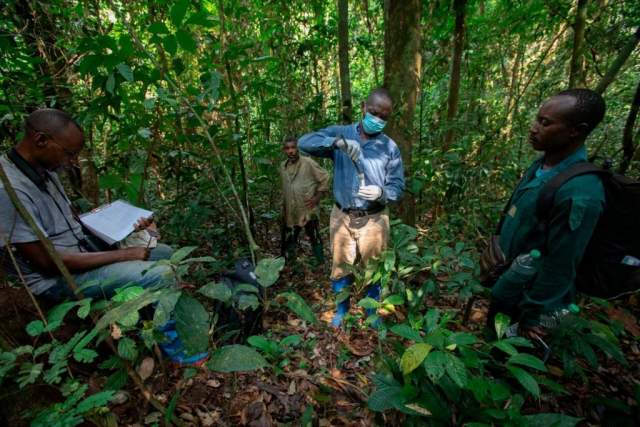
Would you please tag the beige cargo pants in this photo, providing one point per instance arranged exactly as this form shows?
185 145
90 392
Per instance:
350 236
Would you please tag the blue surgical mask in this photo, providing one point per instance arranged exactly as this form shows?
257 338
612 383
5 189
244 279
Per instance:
372 124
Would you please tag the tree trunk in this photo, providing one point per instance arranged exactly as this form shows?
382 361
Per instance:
374 58
343 60
628 148
402 60
576 69
624 54
454 81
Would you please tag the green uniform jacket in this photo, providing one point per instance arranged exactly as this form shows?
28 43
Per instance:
577 207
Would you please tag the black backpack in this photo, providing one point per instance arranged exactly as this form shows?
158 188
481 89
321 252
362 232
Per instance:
234 324
601 272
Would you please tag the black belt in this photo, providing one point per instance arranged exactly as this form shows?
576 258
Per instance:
361 212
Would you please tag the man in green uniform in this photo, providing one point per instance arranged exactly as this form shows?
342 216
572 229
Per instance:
304 183
559 131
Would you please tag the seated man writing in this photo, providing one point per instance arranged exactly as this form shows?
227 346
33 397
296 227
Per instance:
53 140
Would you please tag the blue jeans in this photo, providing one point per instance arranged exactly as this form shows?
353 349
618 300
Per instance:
110 277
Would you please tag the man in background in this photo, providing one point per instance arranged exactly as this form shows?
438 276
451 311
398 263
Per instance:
304 183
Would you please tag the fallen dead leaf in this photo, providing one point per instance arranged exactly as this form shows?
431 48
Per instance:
214 383
146 368
630 322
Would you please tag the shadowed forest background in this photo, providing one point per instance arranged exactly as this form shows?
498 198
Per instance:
185 104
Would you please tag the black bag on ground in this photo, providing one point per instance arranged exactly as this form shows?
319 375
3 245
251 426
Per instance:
240 324
601 272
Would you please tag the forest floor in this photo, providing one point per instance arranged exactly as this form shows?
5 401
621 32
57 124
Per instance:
327 377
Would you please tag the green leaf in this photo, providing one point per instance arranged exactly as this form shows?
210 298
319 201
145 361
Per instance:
368 303
186 41
299 306
456 370
215 290
178 11
245 287
235 358
125 71
85 355
394 299
181 254
525 379
291 341
527 360
57 314
506 347
85 307
170 44
29 373
248 301
95 401
268 270
388 394
128 294
502 322
413 357
435 365
199 259
192 324
261 343
158 28
127 349
462 338
405 331
165 306
551 420
110 85
35 328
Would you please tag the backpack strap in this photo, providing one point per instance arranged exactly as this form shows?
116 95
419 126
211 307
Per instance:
545 200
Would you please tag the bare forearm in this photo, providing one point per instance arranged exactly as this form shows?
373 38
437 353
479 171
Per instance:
82 261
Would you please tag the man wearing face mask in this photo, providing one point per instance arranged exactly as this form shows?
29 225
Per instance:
368 174
53 140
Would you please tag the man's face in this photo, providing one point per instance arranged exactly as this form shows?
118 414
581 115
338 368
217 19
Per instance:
291 150
378 106
60 150
550 130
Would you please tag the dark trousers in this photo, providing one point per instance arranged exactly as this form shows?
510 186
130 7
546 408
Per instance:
291 235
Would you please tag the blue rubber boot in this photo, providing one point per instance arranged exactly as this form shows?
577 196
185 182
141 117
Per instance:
342 308
373 292
174 349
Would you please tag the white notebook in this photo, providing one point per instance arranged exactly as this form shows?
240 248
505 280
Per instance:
114 221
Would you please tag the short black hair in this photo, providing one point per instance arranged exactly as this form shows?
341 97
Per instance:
49 120
379 93
590 107
289 138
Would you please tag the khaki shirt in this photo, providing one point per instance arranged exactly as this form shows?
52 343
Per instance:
301 181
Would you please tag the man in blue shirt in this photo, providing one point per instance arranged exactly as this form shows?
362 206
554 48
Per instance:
368 174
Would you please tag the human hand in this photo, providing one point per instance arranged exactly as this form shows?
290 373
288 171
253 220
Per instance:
370 192
312 202
350 146
135 253
144 223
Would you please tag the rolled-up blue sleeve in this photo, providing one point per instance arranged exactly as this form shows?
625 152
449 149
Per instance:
394 178
319 143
